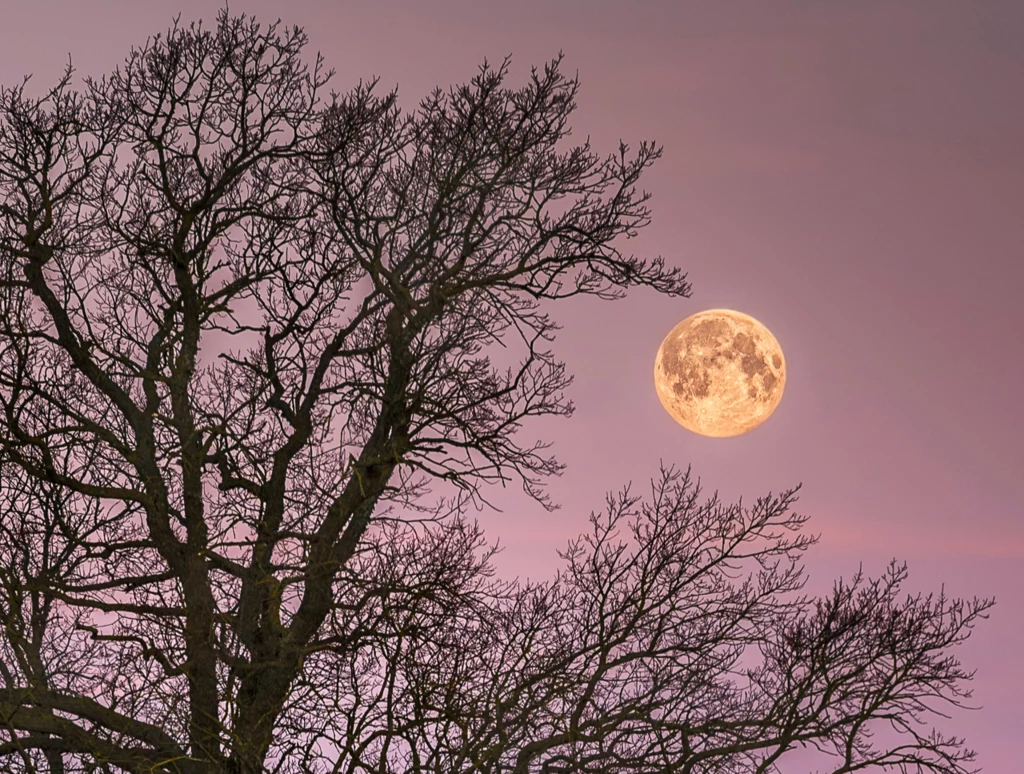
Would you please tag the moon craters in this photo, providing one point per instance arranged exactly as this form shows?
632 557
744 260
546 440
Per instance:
720 373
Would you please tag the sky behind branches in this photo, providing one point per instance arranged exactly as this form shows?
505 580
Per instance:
849 173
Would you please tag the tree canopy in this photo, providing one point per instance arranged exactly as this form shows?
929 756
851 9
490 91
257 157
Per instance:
243 330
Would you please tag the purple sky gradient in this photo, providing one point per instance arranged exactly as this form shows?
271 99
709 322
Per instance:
849 173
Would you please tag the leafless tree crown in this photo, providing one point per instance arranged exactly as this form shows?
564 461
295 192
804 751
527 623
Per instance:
243 325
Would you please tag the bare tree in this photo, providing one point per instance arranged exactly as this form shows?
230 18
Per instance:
645 656
242 331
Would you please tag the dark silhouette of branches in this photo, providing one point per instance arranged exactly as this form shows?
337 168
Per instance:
243 325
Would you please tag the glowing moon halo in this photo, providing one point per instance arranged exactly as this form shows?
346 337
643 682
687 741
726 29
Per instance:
720 373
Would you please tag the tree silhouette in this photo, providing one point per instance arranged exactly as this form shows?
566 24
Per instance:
243 331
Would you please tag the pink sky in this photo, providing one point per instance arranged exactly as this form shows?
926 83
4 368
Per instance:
849 173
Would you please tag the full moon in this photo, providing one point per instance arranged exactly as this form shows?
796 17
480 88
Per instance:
720 373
